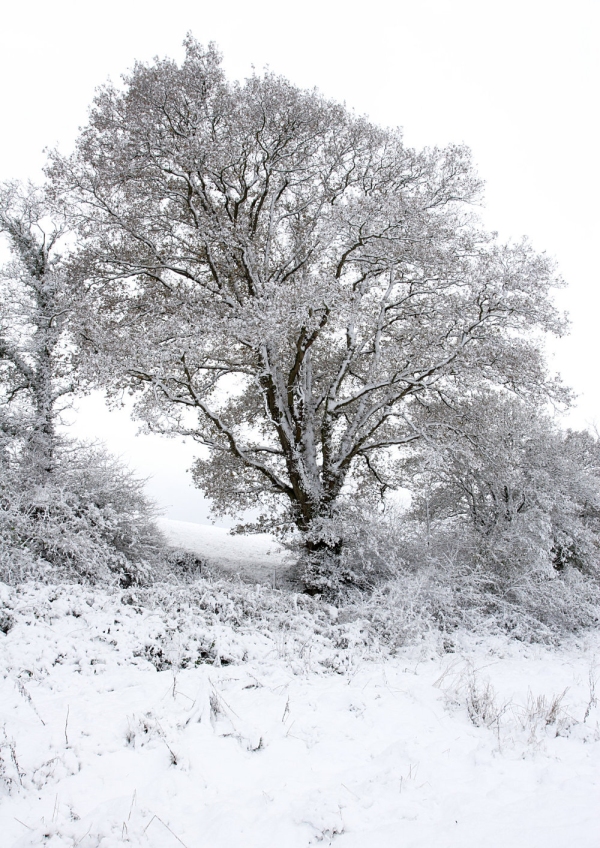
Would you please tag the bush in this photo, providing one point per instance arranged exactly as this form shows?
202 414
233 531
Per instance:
446 580
88 520
333 569
184 565
407 578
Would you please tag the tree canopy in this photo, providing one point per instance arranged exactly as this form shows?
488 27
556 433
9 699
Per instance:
289 284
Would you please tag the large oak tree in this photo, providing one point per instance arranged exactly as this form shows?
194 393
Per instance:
287 282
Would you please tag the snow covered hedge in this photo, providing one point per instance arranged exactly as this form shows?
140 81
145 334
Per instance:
89 520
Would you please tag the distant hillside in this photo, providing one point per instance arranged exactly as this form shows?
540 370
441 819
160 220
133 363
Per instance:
257 557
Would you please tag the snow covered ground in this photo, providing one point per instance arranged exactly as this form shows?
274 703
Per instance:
226 715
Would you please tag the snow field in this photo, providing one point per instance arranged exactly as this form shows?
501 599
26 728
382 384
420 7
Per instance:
284 727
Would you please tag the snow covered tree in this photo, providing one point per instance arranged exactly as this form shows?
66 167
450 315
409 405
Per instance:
286 282
527 491
65 508
37 364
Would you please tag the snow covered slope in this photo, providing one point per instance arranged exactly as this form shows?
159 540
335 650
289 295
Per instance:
256 557
216 717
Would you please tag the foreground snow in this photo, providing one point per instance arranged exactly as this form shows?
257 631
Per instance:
246 717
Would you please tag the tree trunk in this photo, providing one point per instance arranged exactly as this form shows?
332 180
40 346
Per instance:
322 562
42 442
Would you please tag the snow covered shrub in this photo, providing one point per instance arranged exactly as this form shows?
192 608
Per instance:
526 492
443 583
543 712
183 564
504 525
89 519
367 555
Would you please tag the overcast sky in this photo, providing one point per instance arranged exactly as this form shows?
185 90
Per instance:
517 81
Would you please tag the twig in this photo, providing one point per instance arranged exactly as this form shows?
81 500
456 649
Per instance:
82 837
222 699
27 696
162 735
592 700
132 803
165 825
13 755
66 725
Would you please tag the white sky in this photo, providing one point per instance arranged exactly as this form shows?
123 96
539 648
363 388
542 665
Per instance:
517 81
